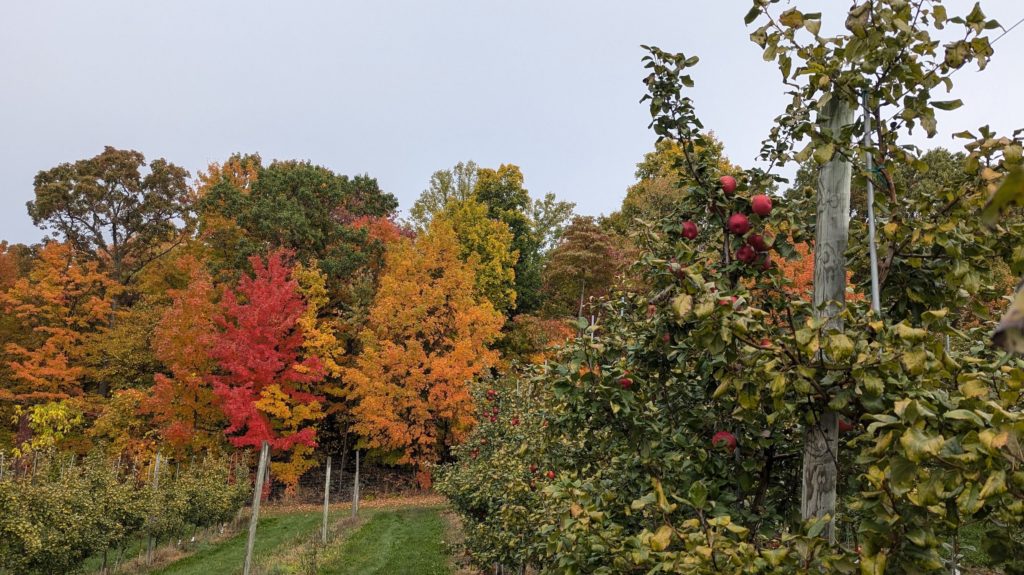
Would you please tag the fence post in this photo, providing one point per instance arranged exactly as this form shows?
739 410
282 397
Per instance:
327 497
257 495
355 489
821 438
156 486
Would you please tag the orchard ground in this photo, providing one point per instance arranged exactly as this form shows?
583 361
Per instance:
415 535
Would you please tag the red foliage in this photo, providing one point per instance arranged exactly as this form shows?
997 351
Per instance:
259 355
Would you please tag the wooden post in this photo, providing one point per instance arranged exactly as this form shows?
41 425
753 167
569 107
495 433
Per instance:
821 440
327 498
257 495
355 489
156 486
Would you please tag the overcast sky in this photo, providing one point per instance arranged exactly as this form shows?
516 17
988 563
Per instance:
399 89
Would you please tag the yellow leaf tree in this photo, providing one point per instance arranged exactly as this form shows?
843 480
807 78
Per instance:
427 337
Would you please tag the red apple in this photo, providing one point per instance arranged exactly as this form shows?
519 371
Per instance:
689 230
844 425
514 421
550 474
757 242
761 205
724 439
533 468
746 254
767 263
626 382
739 224
728 184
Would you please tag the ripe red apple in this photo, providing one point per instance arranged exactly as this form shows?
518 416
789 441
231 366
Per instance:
739 224
689 230
724 439
728 184
746 254
493 419
761 205
844 425
533 468
550 474
514 421
626 382
767 263
757 242
766 343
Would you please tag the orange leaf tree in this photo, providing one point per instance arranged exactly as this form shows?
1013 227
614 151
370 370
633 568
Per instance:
63 297
182 403
426 338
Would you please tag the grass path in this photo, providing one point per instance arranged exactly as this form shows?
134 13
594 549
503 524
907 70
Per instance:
276 533
406 541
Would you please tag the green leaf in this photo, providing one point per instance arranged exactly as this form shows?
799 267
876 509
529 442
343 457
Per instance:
965 415
752 15
698 494
792 18
948 105
822 154
918 445
1010 191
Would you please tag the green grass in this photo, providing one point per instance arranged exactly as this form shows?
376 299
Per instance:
275 532
405 541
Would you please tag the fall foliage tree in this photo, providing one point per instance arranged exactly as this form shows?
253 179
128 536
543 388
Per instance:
426 339
486 244
662 181
105 206
582 266
502 191
267 389
446 186
63 298
182 404
293 205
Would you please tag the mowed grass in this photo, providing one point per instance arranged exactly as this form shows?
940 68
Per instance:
275 533
402 541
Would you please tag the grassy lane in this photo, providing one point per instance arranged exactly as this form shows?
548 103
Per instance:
275 533
403 541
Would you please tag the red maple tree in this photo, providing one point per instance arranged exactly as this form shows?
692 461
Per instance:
264 385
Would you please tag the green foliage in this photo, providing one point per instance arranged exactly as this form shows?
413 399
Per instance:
446 187
698 344
486 244
295 205
105 206
496 486
64 512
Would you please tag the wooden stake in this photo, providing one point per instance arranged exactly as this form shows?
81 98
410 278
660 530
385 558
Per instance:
156 486
821 440
355 489
327 498
257 495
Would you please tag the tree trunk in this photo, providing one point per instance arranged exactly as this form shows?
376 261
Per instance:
257 496
821 440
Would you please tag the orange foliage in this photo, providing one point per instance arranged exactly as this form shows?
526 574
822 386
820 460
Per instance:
801 272
63 298
427 337
182 404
